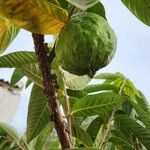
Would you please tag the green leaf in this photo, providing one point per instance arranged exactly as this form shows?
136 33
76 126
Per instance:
143 103
43 136
36 16
100 87
99 136
120 140
10 132
16 76
28 83
55 144
94 127
129 92
131 85
72 101
127 108
33 72
98 104
4 145
82 136
74 82
76 93
121 127
17 59
84 4
64 4
98 9
9 138
38 113
110 146
140 8
109 76
2 132
118 82
143 116
8 32
140 132
120 143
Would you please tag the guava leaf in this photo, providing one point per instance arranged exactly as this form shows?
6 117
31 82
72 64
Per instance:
28 83
94 128
99 104
100 87
38 113
8 32
16 76
10 131
142 114
36 16
83 4
76 93
140 8
120 140
75 82
109 76
55 144
98 9
64 4
82 135
43 136
143 134
33 72
10 139
17 59
143 103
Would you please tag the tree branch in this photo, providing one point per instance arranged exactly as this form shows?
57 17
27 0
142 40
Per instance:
50 89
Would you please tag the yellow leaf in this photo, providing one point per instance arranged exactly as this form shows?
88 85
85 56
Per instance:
37 16
8 31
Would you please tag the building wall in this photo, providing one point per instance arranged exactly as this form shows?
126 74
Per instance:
9 101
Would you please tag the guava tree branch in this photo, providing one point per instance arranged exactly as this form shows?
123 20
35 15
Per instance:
50 89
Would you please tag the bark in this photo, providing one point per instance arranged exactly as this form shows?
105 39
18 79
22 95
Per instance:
50 89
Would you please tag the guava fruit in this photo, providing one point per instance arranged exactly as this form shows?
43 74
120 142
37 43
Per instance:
85 44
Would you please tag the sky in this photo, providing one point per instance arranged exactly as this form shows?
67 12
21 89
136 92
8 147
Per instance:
132 56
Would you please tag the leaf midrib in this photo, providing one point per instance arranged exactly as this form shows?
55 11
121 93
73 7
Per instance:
93 107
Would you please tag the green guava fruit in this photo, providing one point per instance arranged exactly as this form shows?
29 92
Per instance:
85 44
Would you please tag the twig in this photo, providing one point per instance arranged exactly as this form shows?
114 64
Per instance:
103 141
50 89
68 114
67 110
137 144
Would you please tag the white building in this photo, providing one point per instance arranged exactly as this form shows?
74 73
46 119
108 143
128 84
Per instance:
9 101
